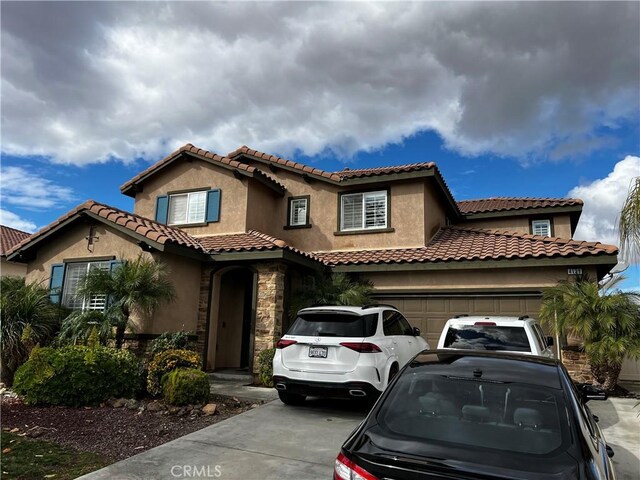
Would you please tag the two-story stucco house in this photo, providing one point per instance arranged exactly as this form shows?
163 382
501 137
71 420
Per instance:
240 233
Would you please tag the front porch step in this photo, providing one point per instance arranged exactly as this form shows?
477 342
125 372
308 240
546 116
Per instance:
231 376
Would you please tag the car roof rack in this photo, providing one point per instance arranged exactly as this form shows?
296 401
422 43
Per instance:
374 305
524 317
461 315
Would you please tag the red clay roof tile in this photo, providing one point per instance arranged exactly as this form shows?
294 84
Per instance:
498 204
466 244
9 237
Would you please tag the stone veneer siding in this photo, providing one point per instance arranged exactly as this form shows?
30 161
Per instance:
269 307
576 363
203 306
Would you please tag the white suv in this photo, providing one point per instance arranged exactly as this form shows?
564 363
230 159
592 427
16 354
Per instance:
508 334
336 351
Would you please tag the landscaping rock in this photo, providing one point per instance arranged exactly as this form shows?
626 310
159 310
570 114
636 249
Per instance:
155 406
209 409
35 432
119 402
132 404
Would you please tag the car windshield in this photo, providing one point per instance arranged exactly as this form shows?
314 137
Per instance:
469 412
483 337
334 324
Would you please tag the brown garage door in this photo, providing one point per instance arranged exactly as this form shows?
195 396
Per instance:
429 313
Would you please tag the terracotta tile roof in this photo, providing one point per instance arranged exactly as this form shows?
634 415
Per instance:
499 204
154 231
10 237
243 242
370 172
202 153
465 244
244 150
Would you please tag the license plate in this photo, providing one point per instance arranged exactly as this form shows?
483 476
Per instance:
318 352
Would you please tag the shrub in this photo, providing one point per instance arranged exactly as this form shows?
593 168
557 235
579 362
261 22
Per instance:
184 386
165 362
78 326
76 375
170 341
265 366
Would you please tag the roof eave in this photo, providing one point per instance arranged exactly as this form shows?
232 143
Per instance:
573 209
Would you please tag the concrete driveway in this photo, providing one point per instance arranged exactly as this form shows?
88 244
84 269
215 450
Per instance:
270 441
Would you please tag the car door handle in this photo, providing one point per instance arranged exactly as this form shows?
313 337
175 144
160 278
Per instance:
610 452
596 418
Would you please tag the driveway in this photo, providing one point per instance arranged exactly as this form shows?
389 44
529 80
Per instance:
270 441
621 427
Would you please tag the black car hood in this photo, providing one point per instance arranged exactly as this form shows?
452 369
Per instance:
410 459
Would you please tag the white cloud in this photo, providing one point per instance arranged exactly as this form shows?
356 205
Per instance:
603 200
27 190
10 219
103 80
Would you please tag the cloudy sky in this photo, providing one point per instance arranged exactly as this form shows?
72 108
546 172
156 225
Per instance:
526 99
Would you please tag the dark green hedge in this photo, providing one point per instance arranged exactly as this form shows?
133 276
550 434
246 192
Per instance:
77 375
185 386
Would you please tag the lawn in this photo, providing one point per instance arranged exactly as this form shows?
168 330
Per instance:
26 459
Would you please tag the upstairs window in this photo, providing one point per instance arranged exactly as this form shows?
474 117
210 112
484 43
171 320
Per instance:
74 275
298 211
541 227
363 211
185 208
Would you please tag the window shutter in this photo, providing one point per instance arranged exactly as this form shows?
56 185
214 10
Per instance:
55 283
213 205
162 208
113 264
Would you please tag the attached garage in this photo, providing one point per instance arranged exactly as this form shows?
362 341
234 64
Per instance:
430 312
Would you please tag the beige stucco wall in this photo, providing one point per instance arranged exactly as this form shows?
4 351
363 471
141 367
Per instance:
434 211
12 269
71 244
198 174
521 224
489 278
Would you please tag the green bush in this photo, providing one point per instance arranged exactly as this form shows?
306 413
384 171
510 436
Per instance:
265 366
184 386
165 362
170 341
77 375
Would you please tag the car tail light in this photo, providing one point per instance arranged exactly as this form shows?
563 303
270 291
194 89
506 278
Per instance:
362 347
345 469
282 343
486 324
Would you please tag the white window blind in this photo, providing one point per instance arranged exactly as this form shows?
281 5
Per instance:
74 276
363 211
187 208
541 227
298 212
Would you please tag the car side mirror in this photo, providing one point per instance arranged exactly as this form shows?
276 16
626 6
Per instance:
591 392
550 341
416 332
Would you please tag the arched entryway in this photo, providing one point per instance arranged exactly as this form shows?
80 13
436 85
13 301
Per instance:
231 332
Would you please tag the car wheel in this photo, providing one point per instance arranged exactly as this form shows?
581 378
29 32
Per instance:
392 372
291 398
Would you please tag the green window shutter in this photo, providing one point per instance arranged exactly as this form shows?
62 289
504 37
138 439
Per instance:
213 205
162 208
55 283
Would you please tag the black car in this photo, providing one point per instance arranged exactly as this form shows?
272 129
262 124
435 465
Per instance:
453 414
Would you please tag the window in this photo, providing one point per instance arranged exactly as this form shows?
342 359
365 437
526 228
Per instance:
391 323
298 211
323 324
480 337
362 211
73 277
541 227
185 208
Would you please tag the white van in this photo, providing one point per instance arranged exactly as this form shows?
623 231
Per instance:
507 334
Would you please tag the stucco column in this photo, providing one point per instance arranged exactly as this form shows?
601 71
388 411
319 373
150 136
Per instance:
203 308
269 307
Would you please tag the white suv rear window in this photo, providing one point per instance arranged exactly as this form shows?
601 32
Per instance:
482 337
324 324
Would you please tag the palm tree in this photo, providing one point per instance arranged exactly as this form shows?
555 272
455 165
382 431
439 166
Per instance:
629 223
25 310
607 321
140 285
334 289
79 325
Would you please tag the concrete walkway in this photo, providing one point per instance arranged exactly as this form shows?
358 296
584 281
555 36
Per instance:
621 428
272 441
240 390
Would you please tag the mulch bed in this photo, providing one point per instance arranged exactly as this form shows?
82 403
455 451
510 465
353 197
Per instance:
116 433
